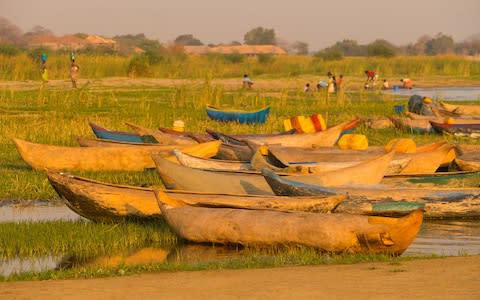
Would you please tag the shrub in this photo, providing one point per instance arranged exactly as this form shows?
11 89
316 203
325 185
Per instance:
235 58
138 66
265 58
9 50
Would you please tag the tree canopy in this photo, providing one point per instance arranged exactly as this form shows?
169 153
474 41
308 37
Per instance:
188 40
260 36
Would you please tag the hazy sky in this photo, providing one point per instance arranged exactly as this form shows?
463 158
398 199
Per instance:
319 23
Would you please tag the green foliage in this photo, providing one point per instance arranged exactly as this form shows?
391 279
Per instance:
381 48
265 58
9 50
139 66
188 40
81 35
234 58
350 48
260 36
330 54
440 44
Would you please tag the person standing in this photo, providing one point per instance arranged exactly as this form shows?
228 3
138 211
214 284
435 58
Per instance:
247 82
338 83
43 68
331 83
74 68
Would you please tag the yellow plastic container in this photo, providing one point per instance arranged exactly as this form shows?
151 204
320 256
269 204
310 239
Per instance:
353 141
427 100
179 125
402 146
448 120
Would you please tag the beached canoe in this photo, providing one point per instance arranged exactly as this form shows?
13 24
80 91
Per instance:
326 138
412 125
211 164
121 136
161 137
89 142
426 160
179 177
41 156
467 127
462 109
440 203
468 161
339 233
98 201
241 116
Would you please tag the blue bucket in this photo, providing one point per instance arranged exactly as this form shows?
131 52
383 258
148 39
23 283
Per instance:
399 109
396 88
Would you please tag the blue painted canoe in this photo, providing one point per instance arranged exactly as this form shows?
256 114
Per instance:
121 136
240 116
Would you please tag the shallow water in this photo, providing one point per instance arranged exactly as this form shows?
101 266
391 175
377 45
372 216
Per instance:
35 212
440 93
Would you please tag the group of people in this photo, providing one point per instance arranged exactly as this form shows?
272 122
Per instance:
333 84
74 68
372 79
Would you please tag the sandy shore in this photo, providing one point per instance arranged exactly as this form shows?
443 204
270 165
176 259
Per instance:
443 278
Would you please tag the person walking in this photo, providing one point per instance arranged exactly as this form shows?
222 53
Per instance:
74 68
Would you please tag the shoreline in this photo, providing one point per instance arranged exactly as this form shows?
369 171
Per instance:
436 278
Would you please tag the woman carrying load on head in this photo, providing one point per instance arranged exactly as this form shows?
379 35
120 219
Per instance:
74 68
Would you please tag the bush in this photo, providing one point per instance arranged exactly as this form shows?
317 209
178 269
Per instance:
9 50
235 58
330 54
265 58
138 66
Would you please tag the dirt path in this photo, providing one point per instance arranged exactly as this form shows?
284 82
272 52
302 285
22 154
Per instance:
445 278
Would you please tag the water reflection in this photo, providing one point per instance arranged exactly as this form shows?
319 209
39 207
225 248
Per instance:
441 93
36 211
449 238
445 238
32 264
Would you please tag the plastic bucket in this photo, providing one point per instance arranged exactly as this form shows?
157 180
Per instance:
399 109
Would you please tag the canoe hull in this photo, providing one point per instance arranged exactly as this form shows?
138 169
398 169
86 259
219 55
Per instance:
242 117
339 233
121 136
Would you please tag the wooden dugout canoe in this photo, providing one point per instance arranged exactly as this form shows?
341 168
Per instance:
426 160
461 109
121 136
212 164
326 138
337 233
99 201
440 203
41 156
182 178
88 142
241 116
467 127
469 161
415 126
161 137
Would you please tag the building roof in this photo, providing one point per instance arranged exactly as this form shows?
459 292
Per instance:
96 39
242 49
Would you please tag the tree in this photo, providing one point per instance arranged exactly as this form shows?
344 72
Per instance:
188 40
10 33
440 44
300 48
330 53
350 48
381 48
260 36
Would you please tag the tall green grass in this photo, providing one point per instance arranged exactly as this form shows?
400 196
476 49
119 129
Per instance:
23 67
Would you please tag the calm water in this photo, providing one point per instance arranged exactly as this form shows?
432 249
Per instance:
445 93
446 238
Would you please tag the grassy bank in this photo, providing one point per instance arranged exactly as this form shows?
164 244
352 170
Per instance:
24 67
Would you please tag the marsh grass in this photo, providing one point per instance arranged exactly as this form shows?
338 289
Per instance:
249 257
